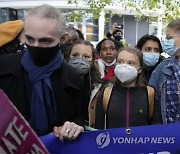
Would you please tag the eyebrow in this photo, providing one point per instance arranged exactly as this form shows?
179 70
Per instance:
111 46
126 59
74 53
40 39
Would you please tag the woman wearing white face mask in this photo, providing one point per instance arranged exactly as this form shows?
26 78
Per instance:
151 48
166 77
128 104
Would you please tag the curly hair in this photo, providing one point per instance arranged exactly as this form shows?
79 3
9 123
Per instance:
98 47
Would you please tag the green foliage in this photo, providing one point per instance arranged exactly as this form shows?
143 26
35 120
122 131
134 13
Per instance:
173 11
167 9
76 16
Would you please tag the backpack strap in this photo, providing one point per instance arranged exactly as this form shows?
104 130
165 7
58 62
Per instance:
150 91
106 97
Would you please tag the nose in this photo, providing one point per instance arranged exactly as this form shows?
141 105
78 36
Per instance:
109 51
36 44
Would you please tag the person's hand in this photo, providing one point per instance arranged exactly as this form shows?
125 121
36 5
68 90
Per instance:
69 131
113 28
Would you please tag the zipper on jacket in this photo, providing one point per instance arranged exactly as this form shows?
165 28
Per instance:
127 109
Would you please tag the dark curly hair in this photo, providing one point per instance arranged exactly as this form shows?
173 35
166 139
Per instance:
98 47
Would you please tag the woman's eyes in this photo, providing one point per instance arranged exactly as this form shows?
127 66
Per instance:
156 50
129 63
147 49
113 49
151 49
108 49
74 55
119 62
84 56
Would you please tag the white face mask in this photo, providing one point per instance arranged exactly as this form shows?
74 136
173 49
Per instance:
125 73
109 64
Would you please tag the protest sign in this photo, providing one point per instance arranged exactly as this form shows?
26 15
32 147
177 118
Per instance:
16 136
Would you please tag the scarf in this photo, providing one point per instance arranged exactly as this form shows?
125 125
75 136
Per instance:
109 74
43 108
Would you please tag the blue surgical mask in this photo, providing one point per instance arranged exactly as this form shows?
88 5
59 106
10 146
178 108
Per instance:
168 47
150 59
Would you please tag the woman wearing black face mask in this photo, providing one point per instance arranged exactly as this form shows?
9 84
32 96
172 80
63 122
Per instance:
81 57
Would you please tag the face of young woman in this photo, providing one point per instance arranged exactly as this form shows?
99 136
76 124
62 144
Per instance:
125 57
151 47
82 51
127 68
171 34
108 51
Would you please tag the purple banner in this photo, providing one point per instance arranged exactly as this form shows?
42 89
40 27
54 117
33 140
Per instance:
156 139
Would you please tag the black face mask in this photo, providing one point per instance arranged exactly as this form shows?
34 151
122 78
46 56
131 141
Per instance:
117 38
43 55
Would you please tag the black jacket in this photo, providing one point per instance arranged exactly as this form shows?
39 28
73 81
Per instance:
66 84
117 108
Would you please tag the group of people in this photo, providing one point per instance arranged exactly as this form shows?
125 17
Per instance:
60 82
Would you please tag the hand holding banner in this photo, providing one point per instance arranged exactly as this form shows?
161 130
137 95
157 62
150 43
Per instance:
156 139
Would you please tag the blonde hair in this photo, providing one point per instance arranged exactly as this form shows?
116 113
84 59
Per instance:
49 12
175 25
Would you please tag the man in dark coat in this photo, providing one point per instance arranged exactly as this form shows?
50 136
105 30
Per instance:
46 91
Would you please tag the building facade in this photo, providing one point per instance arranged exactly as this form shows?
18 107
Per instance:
93 30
